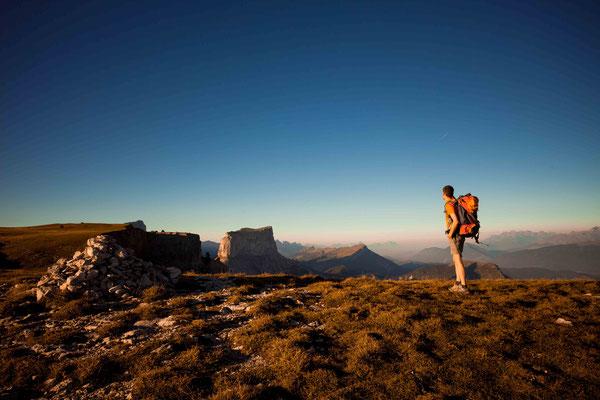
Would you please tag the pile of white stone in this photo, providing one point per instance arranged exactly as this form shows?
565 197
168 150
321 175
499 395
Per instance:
105 270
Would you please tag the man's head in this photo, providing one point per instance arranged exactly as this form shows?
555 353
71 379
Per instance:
448 192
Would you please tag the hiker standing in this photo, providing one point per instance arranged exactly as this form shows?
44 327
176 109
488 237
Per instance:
456 240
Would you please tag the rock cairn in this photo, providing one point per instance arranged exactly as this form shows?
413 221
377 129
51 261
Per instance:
105 270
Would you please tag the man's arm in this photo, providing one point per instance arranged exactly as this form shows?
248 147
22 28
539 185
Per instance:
454 225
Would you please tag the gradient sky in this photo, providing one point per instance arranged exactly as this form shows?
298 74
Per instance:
330 121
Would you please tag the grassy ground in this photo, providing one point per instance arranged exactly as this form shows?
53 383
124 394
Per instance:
36 247
308 338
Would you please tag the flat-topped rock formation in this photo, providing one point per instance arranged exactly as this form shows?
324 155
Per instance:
253 251
172 249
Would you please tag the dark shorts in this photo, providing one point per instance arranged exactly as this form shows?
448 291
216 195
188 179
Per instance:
456 244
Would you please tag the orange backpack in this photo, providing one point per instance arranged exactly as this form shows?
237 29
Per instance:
467 216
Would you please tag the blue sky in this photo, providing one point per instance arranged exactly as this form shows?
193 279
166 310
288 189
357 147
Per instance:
330 121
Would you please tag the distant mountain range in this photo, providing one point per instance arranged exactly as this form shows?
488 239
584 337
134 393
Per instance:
471 251
474 270
288 249
577 257
348 261
514 240
592 235
543 273
521 240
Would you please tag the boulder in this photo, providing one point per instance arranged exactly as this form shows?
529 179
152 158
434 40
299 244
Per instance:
174 273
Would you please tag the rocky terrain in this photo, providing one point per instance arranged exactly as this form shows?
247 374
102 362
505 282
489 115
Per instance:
347 261
286 337
253 251
94 345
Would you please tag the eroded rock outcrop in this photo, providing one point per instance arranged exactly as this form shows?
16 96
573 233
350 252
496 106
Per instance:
137 224
253 251
105 269
172 249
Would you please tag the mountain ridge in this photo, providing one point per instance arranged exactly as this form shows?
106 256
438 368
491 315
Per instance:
348 261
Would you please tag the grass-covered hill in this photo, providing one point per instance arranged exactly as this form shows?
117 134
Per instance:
28 251
284 337
34 247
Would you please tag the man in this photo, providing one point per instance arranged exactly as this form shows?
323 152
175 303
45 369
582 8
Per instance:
456 241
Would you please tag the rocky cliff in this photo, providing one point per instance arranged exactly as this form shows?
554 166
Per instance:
171 249
253 251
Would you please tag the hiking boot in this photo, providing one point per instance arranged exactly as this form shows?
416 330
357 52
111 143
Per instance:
462 289
458 288
455 287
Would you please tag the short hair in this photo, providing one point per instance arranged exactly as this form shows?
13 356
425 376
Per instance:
448 191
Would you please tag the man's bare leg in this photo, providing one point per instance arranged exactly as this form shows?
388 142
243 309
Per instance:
460 269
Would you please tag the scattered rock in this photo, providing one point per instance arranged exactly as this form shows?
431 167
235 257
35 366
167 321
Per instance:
174 273
563 321
129 334
166 322
144 324
64 385
226 310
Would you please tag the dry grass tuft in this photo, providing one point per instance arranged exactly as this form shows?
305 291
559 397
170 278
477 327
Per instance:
154 293
19 301
74 308
62 336
150 311
118 325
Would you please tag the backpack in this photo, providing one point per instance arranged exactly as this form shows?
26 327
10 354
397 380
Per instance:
466 212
